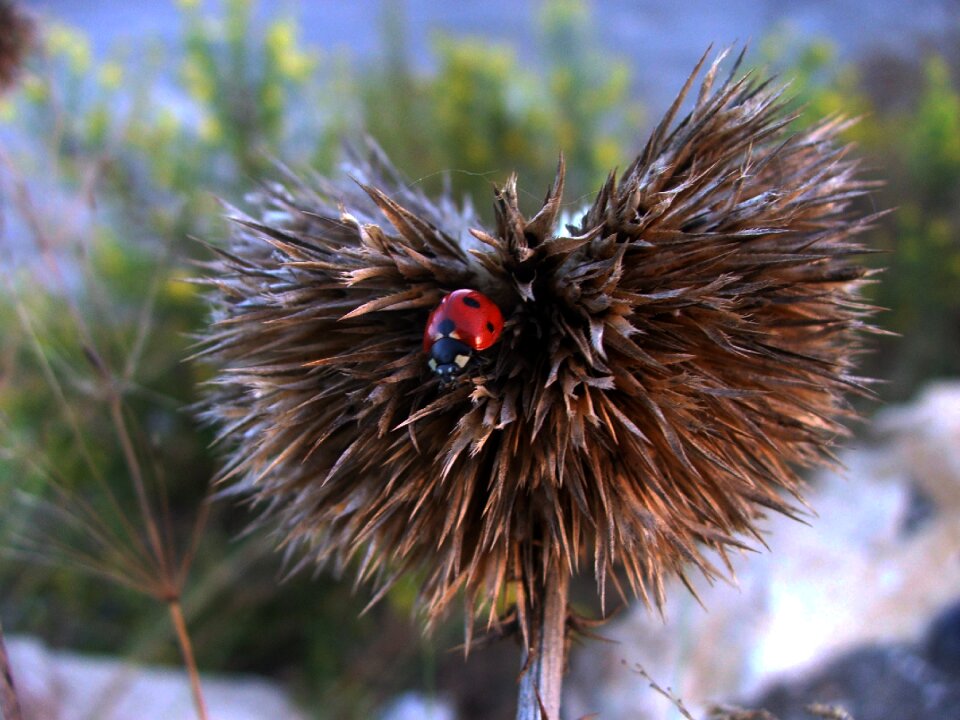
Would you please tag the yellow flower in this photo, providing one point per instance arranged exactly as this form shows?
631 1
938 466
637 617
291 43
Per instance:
281 43
70 44
199 84
35 89
210 128
111 75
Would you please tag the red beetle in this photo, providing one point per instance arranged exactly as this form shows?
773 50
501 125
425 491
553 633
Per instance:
465 321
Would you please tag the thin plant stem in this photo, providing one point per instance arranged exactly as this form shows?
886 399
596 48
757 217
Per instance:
9 704
136 477
186 648
543 661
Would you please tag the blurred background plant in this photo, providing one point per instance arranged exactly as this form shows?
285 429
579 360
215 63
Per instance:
108 167
909 136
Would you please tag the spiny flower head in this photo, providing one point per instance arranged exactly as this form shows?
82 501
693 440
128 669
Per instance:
666 367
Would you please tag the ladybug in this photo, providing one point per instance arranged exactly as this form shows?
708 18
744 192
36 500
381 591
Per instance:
465 321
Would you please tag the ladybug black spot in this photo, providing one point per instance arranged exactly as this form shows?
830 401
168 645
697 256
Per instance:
446 326
471 302
490 326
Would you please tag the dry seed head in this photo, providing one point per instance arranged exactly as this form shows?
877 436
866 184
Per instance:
665 369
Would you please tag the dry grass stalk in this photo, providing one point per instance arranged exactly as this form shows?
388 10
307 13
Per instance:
730 712
141 554
667 366
827 712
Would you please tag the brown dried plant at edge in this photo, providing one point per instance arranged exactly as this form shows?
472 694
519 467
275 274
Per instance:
668 364
16 38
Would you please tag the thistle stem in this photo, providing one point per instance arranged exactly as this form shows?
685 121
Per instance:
543 662
186 648
9 704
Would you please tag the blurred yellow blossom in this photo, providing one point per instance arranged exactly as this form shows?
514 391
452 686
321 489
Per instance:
111 75
7 110
210 128
71 44
199 83
35 89
282 45
179 287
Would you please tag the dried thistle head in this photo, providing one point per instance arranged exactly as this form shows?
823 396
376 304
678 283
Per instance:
666 367
16 38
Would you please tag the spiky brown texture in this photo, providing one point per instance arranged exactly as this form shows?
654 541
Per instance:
16 37
664 369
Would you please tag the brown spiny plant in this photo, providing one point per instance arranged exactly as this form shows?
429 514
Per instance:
16 38
669 363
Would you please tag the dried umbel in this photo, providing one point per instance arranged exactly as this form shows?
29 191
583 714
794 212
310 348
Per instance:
665 368
16 37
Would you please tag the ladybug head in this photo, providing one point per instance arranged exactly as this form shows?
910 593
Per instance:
448 358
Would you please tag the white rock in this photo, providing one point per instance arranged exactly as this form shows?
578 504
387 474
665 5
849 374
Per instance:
413 706
70 686
926 438
852 576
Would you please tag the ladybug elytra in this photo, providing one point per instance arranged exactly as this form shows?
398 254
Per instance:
465 322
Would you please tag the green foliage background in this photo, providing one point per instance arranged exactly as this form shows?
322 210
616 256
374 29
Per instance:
109 167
